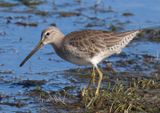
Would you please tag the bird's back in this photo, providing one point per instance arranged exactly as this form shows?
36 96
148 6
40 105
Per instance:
88 44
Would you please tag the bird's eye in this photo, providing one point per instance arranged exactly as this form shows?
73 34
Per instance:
47 34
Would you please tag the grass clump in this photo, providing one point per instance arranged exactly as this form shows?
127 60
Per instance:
116 99
134 97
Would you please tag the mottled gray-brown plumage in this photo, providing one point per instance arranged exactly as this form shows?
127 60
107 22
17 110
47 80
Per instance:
88 44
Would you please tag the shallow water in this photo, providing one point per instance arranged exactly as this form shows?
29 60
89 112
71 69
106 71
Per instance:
20 30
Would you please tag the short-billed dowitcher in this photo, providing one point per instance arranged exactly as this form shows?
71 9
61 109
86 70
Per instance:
86 47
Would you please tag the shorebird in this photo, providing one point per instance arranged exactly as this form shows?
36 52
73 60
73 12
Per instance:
86 47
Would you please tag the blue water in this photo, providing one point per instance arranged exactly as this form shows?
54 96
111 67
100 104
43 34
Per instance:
17 41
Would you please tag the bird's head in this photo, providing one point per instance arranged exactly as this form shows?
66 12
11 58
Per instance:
51 35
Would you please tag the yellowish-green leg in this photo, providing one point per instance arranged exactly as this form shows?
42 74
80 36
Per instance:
99 81
92 80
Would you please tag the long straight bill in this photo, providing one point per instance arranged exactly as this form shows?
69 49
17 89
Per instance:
40 44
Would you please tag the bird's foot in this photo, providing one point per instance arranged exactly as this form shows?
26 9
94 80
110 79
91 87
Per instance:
85 91
89 97
97 92
92 101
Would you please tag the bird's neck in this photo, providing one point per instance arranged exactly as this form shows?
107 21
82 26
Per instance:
58 43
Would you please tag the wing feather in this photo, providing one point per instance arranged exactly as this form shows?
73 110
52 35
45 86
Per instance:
90 42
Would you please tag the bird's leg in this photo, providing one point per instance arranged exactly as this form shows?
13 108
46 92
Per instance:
99 81
92 80
93 75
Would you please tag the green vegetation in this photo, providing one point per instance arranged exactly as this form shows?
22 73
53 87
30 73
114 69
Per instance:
120 98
